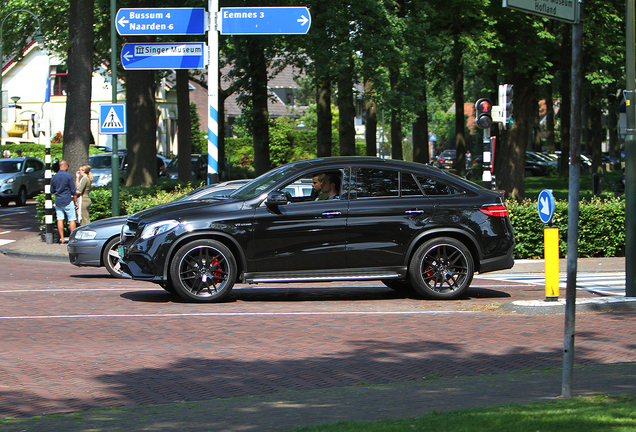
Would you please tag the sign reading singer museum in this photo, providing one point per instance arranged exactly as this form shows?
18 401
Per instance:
563 10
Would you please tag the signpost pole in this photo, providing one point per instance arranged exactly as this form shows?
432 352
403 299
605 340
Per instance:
573 205
213 94
630 156
113 84
486 160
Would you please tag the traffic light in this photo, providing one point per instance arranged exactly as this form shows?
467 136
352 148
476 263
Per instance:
505 102
483 108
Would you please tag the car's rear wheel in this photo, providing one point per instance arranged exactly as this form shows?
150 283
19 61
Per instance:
441 269
110 257
203 271
22 197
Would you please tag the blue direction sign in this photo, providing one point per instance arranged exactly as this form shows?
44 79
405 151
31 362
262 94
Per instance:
112 118
264 20
160 21
178 55
546 205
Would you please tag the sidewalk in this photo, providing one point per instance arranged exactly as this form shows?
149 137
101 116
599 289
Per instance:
282 411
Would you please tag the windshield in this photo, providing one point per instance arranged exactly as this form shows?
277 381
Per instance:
100 162
10 167
262 183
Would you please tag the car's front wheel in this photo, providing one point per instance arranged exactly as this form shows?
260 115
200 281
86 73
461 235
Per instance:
203 271
441 269
110 257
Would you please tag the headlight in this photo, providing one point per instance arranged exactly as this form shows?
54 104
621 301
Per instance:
85 235
106 178
10 180
157 228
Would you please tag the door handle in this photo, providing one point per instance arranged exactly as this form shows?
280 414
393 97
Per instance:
416 211
331 213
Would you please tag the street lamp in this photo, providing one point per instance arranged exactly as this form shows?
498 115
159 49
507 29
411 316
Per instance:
15 100
39 38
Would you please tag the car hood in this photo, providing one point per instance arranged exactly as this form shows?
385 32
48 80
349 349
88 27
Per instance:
103 223
177 210
8 175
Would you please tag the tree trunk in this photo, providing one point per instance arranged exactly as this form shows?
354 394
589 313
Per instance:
142 137
396 124
183 124
371 124
510 150
77 124
565 110
549 118
536 130
458 96
420 127
323 108
260 113
596 132
614 150
347 111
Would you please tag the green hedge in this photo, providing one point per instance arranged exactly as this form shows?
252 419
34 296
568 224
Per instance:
131 199
601 228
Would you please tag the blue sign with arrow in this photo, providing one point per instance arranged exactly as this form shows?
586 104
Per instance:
547 205
179 55
160 21
264 20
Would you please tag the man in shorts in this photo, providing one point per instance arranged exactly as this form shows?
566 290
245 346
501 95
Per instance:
63 186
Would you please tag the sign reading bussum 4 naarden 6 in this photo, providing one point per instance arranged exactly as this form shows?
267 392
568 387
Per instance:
563 10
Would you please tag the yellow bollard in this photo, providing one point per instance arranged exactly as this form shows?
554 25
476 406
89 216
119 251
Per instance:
551 255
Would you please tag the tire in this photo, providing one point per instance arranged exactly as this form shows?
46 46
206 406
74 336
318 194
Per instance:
203 271
441 269
22 197
110 258
4 203
399 285
169 287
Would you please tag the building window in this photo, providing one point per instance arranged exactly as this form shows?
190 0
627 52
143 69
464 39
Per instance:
58 81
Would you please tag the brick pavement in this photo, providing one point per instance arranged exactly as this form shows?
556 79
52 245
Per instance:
75 338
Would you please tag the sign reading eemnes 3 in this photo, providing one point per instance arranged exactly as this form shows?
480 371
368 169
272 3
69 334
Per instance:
564 10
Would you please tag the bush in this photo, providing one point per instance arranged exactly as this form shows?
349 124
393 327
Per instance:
601 228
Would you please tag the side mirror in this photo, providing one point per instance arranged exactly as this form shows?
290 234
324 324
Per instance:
276 198
30 169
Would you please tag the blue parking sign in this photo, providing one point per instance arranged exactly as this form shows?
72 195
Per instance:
112 119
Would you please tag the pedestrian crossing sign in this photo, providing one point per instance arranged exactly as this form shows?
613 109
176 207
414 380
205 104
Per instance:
112 118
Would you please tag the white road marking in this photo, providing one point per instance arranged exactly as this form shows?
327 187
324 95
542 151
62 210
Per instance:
233 314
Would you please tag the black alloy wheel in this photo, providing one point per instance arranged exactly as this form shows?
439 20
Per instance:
203 271
441 269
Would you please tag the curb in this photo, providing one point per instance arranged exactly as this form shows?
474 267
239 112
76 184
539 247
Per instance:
34 256
541 307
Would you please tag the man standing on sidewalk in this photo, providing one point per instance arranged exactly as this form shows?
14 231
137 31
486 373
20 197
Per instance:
63 186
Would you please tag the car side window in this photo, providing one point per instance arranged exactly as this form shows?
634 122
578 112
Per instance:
434 187
409 186
373 183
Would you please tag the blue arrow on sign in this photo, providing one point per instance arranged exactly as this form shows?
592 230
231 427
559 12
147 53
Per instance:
160 21
264 20
179 55
547 205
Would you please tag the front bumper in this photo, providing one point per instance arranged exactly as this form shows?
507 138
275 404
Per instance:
85 253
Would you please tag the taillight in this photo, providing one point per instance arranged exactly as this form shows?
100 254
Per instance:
441 159
495 210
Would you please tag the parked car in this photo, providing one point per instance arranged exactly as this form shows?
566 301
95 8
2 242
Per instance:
95 244
407 224
198 163
101 167
20 179
447 159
